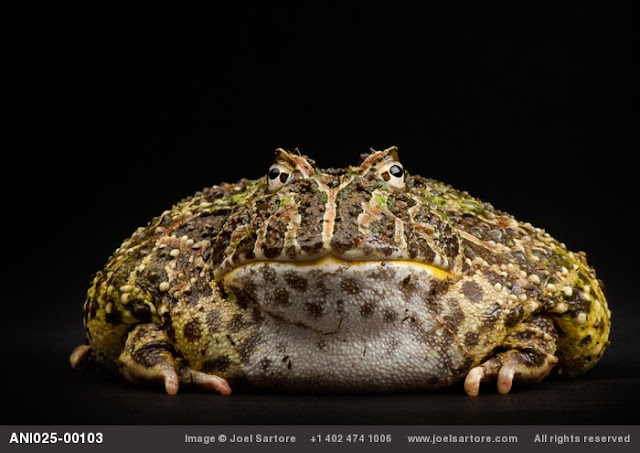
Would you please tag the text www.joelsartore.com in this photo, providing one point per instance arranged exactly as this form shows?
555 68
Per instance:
467 438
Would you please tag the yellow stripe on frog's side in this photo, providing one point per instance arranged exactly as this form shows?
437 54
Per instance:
330 260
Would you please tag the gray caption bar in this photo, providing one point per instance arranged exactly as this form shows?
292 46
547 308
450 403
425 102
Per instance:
318 438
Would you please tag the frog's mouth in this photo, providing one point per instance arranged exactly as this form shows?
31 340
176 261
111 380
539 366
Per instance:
321 294
329 261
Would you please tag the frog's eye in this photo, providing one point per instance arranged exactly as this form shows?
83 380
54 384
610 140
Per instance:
278 176
393 174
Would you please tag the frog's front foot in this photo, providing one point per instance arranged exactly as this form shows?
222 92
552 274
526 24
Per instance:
527 367
527 357
148 358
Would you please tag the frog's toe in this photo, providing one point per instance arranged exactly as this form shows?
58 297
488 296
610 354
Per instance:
522 366
472 382
80 356
204 381
505 378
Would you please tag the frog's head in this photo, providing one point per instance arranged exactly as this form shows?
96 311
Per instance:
302 215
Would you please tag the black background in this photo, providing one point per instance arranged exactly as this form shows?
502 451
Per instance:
530 107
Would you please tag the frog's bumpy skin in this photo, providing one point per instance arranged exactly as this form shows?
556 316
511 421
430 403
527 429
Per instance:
366 278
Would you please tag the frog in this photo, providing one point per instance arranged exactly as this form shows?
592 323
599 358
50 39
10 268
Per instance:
359 279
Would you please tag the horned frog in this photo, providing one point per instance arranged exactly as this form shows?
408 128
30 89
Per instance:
357 279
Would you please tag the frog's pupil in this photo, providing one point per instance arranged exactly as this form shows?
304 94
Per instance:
396 171
273 174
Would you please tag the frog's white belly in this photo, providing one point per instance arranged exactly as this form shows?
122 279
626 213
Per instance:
359 326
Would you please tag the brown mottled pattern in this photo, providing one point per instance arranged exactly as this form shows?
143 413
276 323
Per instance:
514 317
140 311
471 339
214 321
311 208
389 315
490 317
454 315
239 218
149 355
274 238
382 235
217 364
472 291
268 274
348 207
280 297
430 220
408 286
247 346
349 286
296 282
367 309
236 323
192 330
315 310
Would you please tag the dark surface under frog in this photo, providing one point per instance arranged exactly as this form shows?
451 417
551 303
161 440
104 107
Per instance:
40 388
